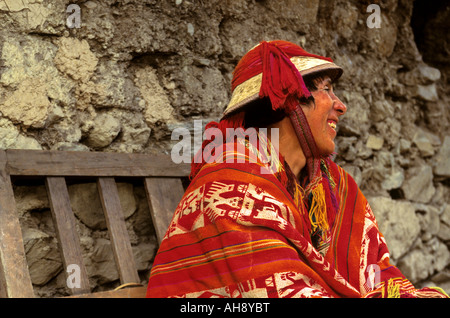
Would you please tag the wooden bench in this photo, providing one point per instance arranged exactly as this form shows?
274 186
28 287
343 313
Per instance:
164 188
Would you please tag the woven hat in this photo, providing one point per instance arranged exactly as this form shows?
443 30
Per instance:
307 64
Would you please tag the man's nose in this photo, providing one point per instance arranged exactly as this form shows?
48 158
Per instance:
339 106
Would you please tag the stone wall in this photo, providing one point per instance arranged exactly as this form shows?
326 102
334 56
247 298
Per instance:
137 69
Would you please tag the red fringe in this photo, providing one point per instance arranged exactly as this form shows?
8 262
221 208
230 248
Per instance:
280 77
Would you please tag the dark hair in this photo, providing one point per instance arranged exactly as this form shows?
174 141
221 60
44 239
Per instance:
259 113
312 81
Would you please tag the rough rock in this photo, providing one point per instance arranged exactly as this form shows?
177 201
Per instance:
355 172
394 179
441 163
417 265
444 232
103 267
429 220
355 121
383 39
11 138
444 228
423 262
397 222
428 92
428 74
87 206
30 199
28 105
105 130
75 59
112 89
143 255
155 101
374 142
43 258
423 141
418 185
445 216
380 110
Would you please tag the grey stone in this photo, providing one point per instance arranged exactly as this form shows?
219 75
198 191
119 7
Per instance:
159 75
356 120
445 215
87 207
44 261
444 232
417 265
103 267
427 92
405 145
397 222
31 198
418 185
355 172
424 260
380 110
374 142
105 129
143 255
441 161
428 74
422 140
393 180
428 218
383 39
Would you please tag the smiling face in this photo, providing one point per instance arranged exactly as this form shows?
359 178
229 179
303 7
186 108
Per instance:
324 115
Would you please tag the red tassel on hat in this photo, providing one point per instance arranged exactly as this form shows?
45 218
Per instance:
280 77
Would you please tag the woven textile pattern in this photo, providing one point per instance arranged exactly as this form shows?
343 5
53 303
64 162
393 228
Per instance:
238 232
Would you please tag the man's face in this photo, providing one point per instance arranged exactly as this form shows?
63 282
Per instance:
324 117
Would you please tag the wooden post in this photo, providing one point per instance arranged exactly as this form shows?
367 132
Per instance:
117 229
15 278
163 196
68 239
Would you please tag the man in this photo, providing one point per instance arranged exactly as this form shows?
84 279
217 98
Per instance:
271 215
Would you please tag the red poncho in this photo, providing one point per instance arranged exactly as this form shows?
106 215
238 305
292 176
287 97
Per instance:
242 232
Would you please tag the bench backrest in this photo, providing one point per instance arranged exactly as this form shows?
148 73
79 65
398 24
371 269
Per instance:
163 185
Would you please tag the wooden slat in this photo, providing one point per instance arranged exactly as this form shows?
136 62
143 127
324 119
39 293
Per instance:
15 278
163 195
133 292
97 164
118 233
68 239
